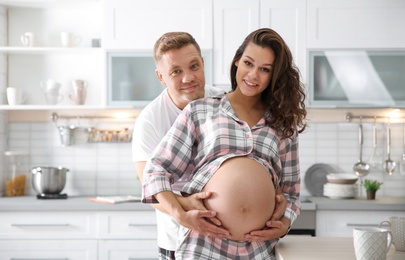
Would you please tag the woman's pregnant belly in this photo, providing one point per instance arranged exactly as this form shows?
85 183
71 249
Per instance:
243 196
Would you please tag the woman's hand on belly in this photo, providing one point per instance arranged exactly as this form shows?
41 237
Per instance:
274 229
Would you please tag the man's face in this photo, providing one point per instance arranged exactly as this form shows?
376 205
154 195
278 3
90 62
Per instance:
182 71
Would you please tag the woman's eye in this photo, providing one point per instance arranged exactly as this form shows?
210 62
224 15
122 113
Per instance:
265 69
248 63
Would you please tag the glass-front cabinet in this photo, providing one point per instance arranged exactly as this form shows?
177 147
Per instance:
356 78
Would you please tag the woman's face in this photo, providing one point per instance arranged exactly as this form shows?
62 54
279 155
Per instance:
254 70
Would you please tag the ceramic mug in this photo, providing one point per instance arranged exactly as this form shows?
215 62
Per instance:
371 243
27 39
53 98
15 96
69 40
79 91
397 228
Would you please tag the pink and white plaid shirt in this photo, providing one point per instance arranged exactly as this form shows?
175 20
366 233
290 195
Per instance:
207 133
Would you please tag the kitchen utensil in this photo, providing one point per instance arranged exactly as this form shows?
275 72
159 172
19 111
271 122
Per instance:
48 180
361 168
389 165
79 91
341 178
27 39
397 228
15 96
371 243
402 160
315 178
375 160
66 134
69 39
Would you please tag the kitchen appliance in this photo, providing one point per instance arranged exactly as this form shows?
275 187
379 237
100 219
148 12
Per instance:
49 182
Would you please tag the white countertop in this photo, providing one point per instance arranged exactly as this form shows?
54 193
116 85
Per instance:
322 248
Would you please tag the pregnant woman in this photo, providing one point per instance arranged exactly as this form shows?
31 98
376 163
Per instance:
241 147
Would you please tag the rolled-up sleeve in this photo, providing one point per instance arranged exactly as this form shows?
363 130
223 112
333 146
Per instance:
290 179
170 159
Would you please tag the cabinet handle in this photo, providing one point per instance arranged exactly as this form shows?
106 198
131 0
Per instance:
40 225
37 258
141 225
361 225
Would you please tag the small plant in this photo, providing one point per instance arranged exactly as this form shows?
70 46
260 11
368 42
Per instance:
371 184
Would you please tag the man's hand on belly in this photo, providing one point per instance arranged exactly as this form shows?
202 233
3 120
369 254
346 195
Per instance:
197 220
195 201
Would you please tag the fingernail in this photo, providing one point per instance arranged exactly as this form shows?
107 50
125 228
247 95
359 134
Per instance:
213 213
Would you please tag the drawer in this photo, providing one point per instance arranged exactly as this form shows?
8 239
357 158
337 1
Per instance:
127 249
48 249
128 225
42 225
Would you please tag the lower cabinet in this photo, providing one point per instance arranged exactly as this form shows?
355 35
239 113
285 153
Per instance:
48 249
75 235
332 223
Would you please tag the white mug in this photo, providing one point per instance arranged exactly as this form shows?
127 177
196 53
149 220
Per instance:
69 40
50 85
79 92
371 243
53 98
15 96
397 228
27 39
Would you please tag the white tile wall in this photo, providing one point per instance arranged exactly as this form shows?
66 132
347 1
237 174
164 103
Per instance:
107 169
337 144
94 168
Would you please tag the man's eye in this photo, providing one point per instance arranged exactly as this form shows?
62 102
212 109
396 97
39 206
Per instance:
175 72
195 66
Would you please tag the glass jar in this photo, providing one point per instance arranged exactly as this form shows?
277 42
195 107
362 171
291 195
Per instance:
16 175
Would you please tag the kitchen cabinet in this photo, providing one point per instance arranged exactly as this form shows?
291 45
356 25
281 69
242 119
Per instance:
233 22
355 24
47 58
137 24
78 235
332 223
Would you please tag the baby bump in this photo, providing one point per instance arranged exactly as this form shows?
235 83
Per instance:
243 196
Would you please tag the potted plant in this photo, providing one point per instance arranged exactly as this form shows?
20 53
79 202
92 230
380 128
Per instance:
371 187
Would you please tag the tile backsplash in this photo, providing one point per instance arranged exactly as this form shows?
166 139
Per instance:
107 168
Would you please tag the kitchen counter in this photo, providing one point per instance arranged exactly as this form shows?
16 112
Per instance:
80 203
73 203
321 248
380 203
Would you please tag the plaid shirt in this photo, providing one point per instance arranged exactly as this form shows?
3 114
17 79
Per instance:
207 133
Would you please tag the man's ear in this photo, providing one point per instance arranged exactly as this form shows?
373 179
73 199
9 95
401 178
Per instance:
160 77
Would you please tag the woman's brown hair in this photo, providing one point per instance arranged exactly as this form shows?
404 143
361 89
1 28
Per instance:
284 97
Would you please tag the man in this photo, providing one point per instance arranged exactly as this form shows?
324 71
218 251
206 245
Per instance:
179 67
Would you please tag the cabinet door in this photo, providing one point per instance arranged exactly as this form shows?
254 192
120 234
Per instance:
48 249
127 249
47 225
341 223
128 225
233 21
356 24
137 24
288 18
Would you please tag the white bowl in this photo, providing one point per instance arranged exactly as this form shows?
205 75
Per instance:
341 178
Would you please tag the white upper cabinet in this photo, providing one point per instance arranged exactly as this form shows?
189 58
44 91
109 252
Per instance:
233 21
356 24
288 18
137 24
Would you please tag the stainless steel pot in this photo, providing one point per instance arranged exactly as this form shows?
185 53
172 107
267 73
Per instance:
48 180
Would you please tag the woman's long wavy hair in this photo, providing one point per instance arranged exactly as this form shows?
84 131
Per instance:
285 94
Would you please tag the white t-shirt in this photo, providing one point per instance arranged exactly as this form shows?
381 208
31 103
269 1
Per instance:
151 126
